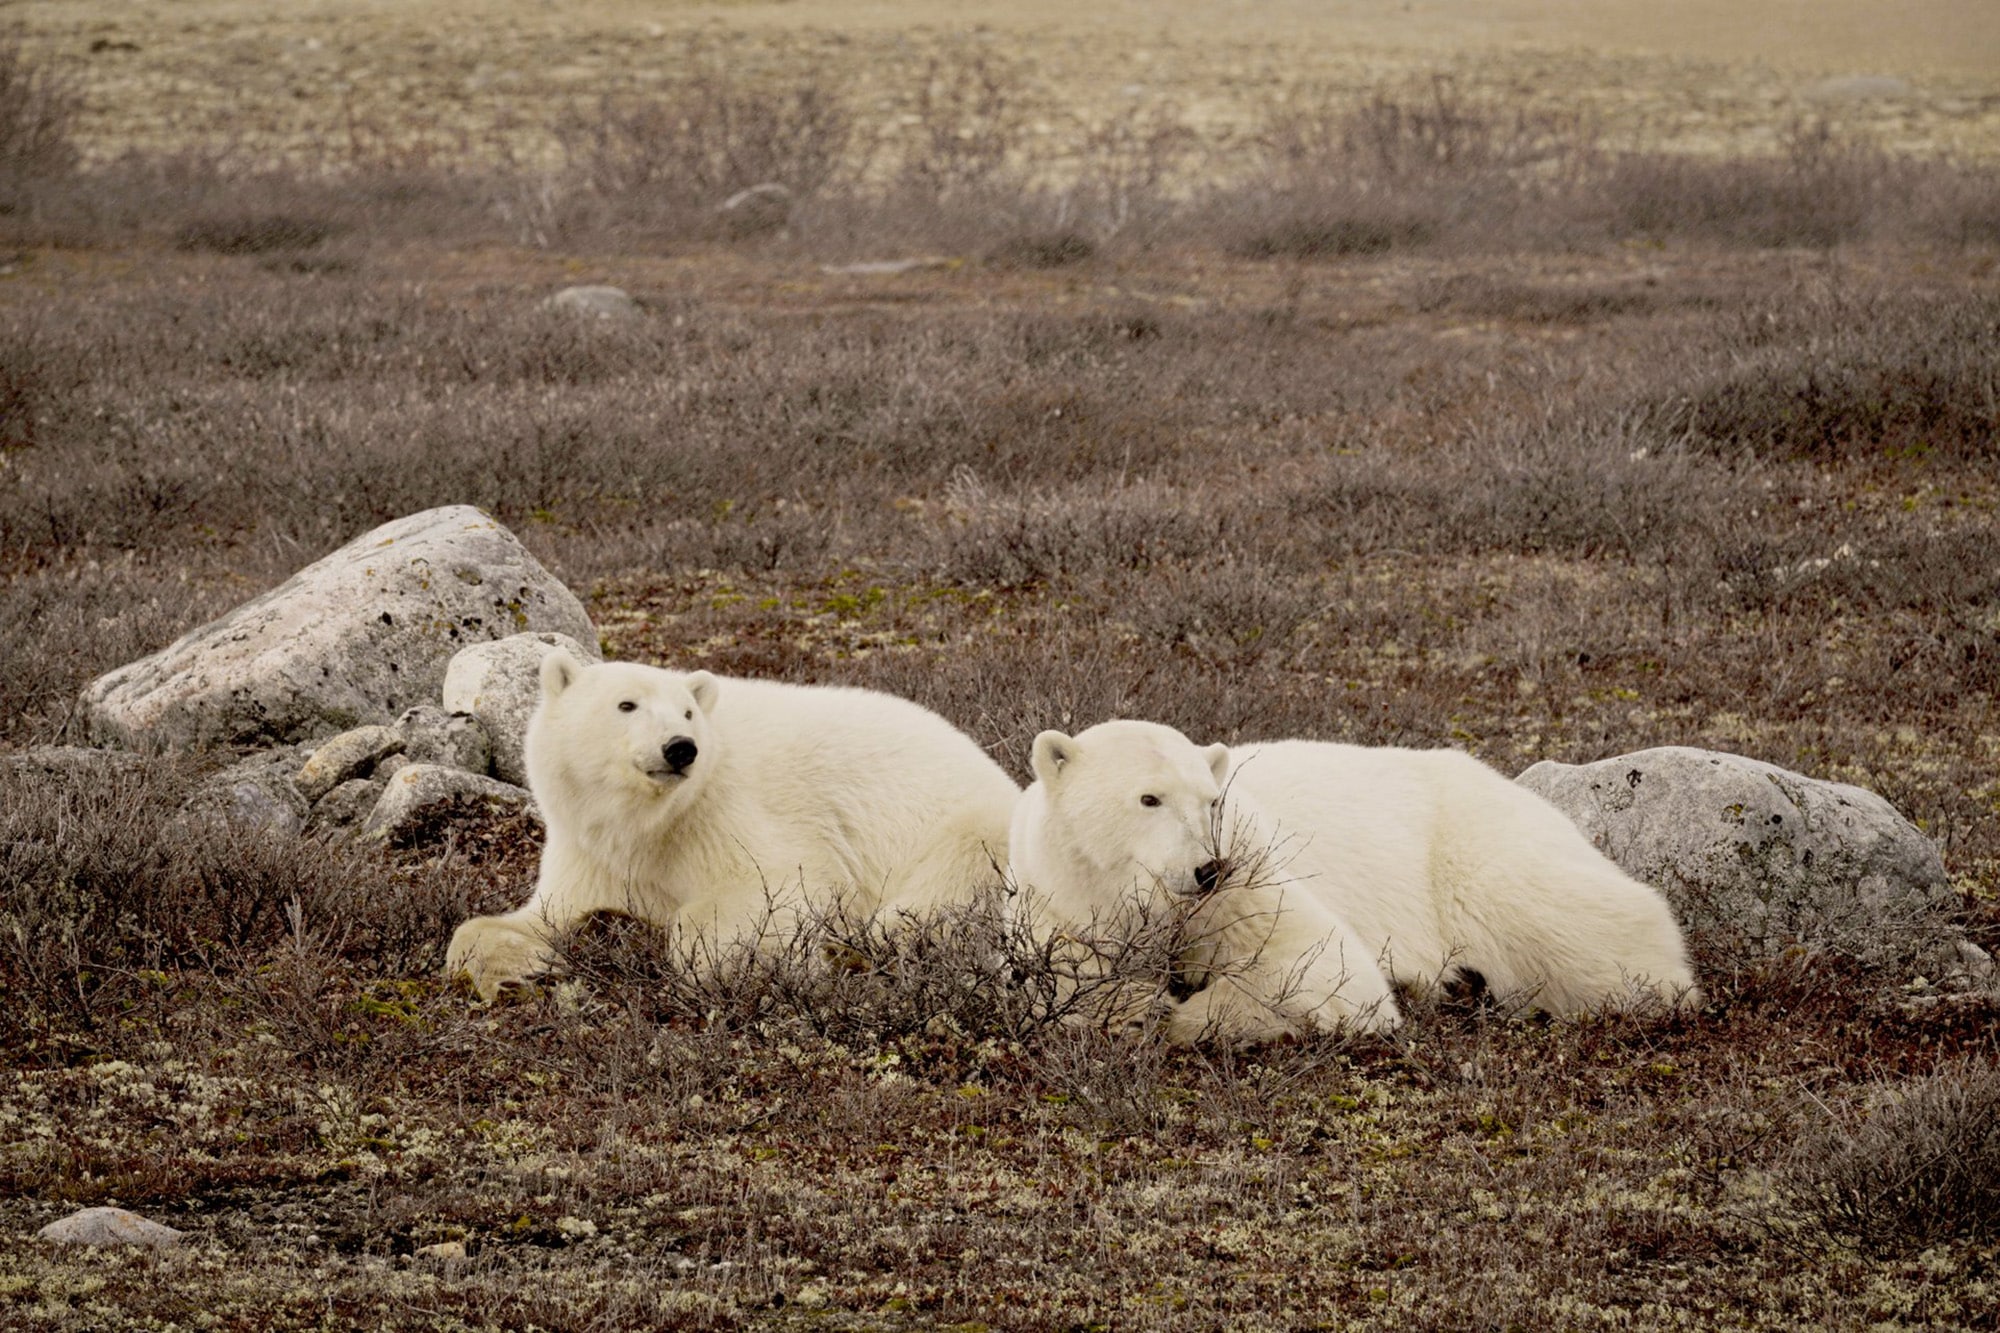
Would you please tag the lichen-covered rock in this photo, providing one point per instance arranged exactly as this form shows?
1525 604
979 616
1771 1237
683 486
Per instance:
433 735
351 754
356 637
108 1226
420 792
346 805
500 683
255 794
1761 858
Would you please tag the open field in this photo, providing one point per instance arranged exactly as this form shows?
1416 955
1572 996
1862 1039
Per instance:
488 78
1465 414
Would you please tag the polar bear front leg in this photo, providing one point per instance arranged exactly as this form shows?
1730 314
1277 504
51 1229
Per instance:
500 952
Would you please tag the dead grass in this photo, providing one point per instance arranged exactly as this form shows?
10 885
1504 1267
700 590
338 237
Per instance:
1508 483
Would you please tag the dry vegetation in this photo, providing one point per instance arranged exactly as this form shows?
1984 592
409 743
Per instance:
1444 423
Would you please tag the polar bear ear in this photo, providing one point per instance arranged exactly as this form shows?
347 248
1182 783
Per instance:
1218 761
1053 752
703 687
558 672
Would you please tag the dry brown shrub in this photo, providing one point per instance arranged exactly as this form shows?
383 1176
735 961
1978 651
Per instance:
1920 1166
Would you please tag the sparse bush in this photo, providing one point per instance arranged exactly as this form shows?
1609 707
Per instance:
38 114
1819 191
1840 376
1055 249
1922 1167
664 163
255 233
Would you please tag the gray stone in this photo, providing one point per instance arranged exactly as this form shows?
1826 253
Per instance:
351 754
610 304
256 794
391 766
354 638
108 1226
1761 858
755 211
346 805
419 791
431 735
500 683
878 268
1859 88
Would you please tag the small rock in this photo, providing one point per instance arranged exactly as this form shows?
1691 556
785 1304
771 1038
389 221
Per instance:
393 765
457 740
256 794
351 754
108 1226
421 791
348 804
869 268
1859 88
611 304
755 211
500 683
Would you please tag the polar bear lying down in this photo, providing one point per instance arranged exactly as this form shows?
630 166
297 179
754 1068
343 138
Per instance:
1314 874
692 799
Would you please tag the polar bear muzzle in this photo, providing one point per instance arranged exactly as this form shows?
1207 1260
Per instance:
679 753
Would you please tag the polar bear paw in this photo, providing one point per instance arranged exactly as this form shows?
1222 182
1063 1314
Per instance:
499 954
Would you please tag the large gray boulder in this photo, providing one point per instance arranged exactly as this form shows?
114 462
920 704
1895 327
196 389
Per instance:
1759 858
500 683
354 638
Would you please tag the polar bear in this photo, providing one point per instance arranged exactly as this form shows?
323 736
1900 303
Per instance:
1438 865
695 800
1135 806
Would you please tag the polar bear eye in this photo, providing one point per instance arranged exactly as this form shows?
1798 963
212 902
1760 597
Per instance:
627 706
688 716
1149 800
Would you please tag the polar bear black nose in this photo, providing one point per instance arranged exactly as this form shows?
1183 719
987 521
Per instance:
1209 874
679 753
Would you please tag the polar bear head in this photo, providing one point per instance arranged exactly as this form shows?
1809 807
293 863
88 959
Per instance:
621 728
1120 805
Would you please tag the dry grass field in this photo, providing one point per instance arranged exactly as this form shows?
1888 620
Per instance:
1546 380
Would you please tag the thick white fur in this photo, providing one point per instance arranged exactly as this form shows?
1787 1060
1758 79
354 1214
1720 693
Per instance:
1432 860
1442 864
1134 806
793 788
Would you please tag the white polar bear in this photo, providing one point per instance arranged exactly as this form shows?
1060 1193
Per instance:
695 800
1439 865
1131 806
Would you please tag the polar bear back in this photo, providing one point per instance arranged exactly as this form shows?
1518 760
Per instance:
870 773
